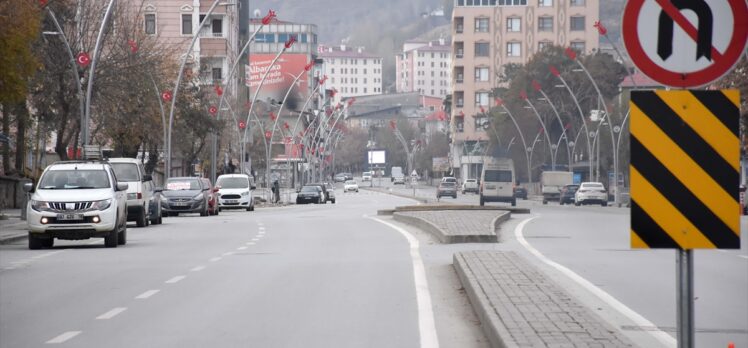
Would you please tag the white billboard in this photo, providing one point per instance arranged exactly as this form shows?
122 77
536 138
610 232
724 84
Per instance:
377 157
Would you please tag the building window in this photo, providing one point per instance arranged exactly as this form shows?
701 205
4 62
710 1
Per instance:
481 98
186 24
217 76
217 27
302 38
576 2
150 23
513 24
459 27
545 3
577 23
283 37
481 25
543 44
577 46
481 74
481 49
512 2
513 49
265 38
545 23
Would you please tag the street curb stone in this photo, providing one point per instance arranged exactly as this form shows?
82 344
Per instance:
456 226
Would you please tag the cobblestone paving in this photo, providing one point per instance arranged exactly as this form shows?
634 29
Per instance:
528 309
459 223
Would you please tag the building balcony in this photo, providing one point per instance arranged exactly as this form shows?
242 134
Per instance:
213 47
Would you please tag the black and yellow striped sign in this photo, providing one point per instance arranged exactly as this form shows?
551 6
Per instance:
685 169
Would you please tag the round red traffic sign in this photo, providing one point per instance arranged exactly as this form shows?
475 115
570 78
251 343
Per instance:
681 48
213 110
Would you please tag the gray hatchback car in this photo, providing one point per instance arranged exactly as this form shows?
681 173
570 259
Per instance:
185 195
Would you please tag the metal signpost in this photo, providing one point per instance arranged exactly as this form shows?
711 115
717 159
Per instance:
685 145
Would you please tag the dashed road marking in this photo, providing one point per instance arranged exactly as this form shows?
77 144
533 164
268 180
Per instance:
250 243
147 294
743 256
215 259
64 337
229 253
175 279
241 248
197 269
255 239
111 314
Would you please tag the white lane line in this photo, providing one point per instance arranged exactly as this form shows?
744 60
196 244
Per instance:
635 317
743 256
111 314
215 259
241 248
147 294
250 243
175 279
197 269
426 324
228 253
255 239
64 337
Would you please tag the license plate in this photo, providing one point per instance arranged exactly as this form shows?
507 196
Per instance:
232 201
69 217
181 204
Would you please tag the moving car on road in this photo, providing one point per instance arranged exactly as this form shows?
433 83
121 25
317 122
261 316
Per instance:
567 194
446 189
350 185
470 185
77 200
235 192
326 197
520 192
497 181
330 188
340 177
184 195
310 194
591 193
366 176
139 189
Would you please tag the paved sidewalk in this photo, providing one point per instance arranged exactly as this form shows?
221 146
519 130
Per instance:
13 228
520 307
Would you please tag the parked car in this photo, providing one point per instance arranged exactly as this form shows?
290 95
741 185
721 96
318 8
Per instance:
449 179
139 189
567 194
310 194
77 200
470 185
350 185
520 192
342 177
235 192
184 195
591 193
155 207
366 176
446 189
325 193
330 188
212 197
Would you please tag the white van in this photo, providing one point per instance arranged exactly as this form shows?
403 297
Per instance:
235 192
139 190
497 181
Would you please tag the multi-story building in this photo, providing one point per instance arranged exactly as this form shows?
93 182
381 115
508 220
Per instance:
425 67
352 72
487 34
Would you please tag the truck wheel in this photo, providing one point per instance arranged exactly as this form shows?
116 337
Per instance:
111 240
482 202
48 242
604 204
140 222
545 202
514 202
122 237
577 204
34 242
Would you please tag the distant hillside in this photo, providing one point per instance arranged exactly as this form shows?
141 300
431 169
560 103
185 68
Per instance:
381 26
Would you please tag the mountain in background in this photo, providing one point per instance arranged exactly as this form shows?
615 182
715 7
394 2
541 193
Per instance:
381 26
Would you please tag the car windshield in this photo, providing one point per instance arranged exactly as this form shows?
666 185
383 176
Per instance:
593 186
308 189
233 183
471 180
74 179
182 184
498 176
350 182
126 171
448 184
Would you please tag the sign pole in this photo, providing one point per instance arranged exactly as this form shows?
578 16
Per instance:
684 265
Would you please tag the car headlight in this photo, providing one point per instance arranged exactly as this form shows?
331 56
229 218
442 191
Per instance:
101 205
164 199
245 193
132 196
40 205
198 197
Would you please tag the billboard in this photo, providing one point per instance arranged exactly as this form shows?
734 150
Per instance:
280 78
376 157
440 164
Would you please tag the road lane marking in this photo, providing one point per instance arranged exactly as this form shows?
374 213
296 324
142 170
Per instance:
635 317
111 314
147 294
255 239
426 323
241 248
64 337
175 279
228 253
250 243
197 269
743 256
215 259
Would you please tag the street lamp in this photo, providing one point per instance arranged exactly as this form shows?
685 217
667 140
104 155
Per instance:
556 73
523 95
500 102
538 88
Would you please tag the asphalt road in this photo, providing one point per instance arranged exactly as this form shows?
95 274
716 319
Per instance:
298 276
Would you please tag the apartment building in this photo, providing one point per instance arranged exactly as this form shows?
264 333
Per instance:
351 71
425 67
488 34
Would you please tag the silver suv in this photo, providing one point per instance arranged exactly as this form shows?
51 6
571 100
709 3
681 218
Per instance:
77 200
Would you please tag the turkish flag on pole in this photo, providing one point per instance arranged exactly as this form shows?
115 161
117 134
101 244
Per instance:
523 95
498 101
166 95
83 59
219 90
554 71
